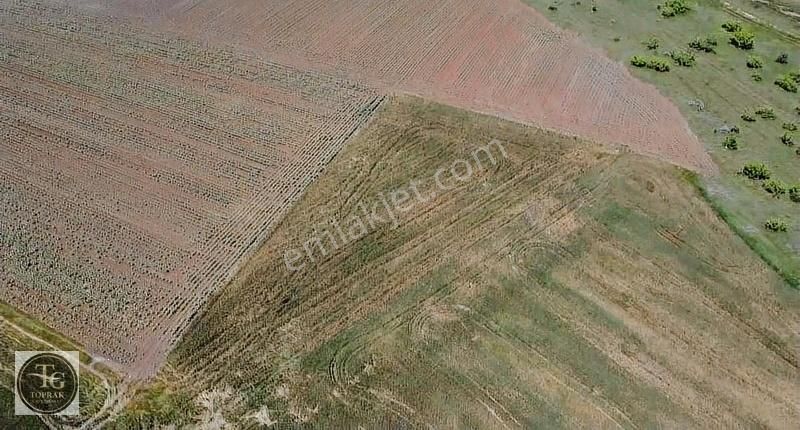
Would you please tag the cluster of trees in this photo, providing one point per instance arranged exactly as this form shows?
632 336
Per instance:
740 37
743 39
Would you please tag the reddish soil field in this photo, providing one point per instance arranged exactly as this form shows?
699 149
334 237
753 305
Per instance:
498 57
143 160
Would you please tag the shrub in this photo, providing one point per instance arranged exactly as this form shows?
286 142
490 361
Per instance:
783 58
682 58
789 126
672 8
757 77
639 61
651 62
776 225
658 64
756 171
775 187
743 39
787 139
732 26
754 62
794 193
652 43
706 44
731 143
766 112
787 83
747 116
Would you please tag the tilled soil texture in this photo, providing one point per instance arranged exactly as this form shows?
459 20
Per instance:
137 172
497 57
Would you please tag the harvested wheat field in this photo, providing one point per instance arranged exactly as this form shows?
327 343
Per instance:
138 171
560 285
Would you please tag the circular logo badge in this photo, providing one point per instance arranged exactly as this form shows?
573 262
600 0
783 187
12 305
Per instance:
47 383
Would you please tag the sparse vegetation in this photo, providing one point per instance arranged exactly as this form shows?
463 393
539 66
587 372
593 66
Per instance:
789 126
757 77
775 187
787 139
756 171
776 225
783 58
743 39
755 62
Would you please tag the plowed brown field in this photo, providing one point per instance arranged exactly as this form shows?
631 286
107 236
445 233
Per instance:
137 173
498 57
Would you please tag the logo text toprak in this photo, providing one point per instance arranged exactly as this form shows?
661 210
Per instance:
46 383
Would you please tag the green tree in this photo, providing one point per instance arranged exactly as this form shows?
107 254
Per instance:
776 225
775 187
794 193
743 39
756 171
682 58
754 62
672 8
730 143
732 26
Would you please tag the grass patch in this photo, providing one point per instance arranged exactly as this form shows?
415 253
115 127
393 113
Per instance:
766 253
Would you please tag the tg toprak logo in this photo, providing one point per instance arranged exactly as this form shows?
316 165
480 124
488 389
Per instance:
46 383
